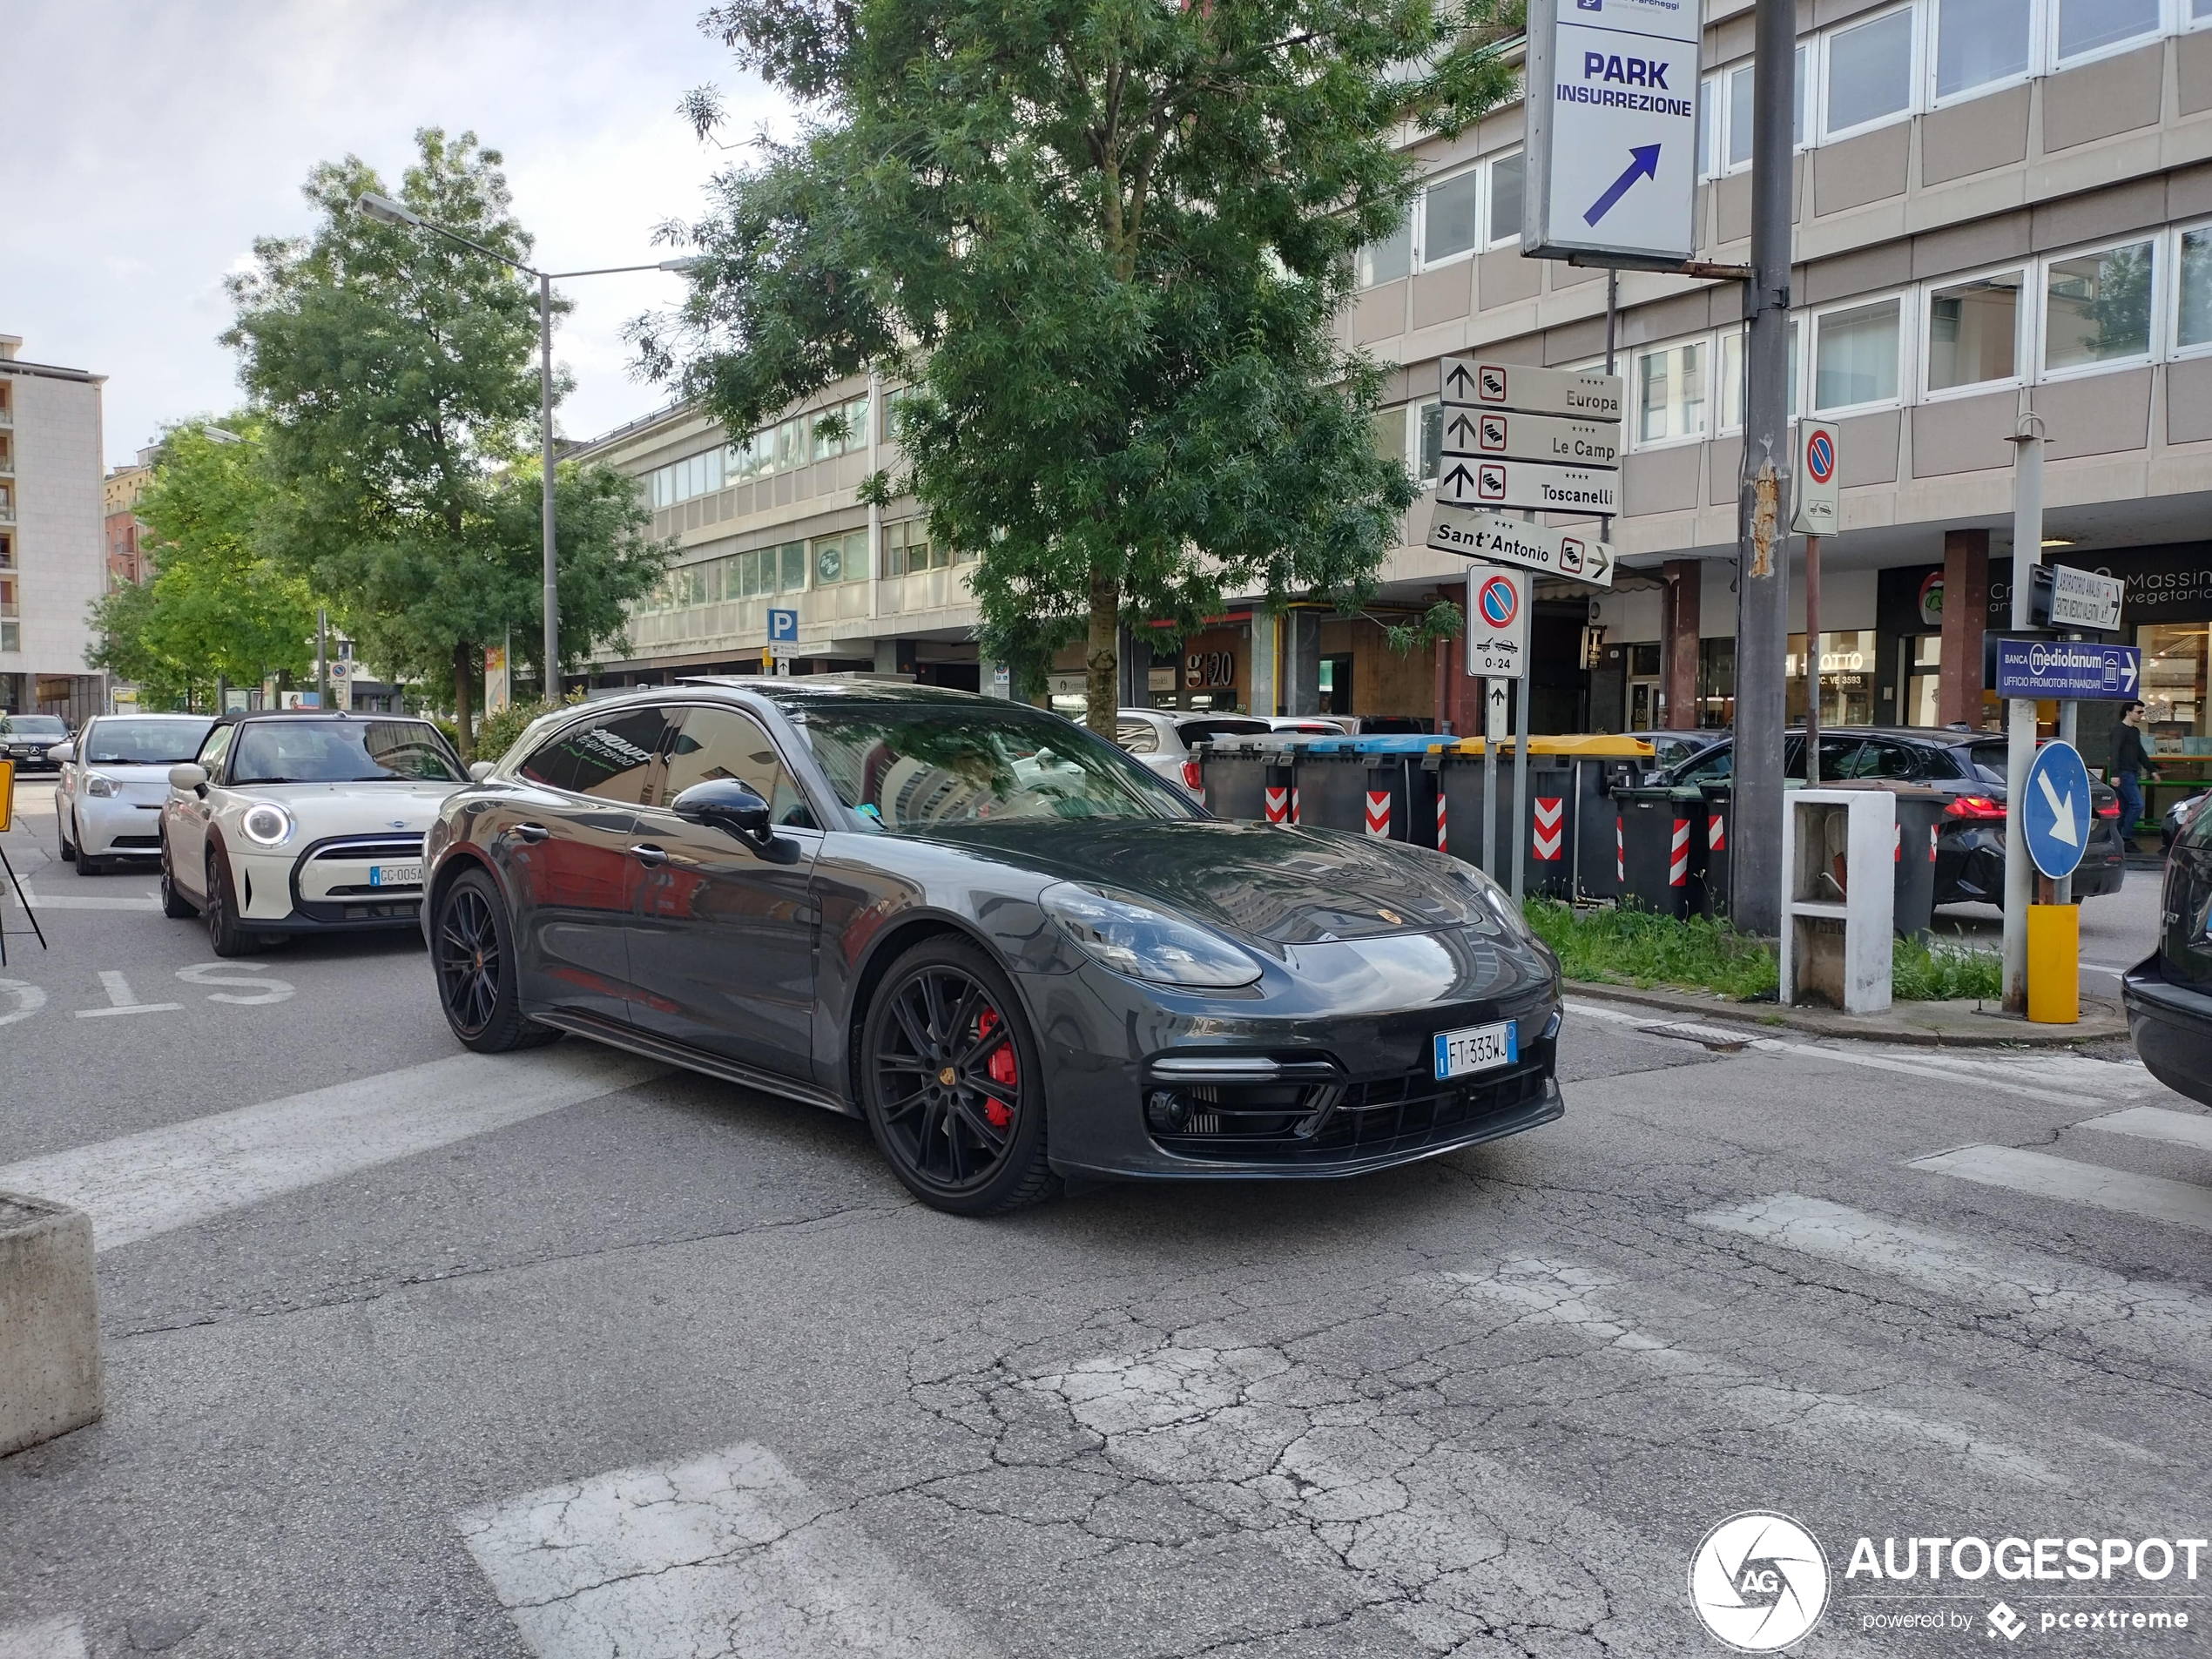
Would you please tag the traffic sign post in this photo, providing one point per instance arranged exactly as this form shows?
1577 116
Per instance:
1475 383
1565 442
1531 485
1819 492
1612 132
1497 633
2086 599
1499 540
2055 819
2039 670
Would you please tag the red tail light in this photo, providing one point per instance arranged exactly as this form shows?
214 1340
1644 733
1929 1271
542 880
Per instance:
2110 810
1979 808
1190 773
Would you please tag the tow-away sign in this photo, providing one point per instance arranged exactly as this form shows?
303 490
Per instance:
1612 125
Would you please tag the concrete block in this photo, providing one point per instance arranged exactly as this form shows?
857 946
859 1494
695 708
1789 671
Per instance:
50 1331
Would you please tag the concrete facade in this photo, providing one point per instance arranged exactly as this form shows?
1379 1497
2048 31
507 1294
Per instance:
52 539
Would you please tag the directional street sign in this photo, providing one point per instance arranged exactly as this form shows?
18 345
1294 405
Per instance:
783 626
1470 382
2055 813
1497 637
1499 540
2080 599
1819 488
1495 707
1531 437
2067 668
1527 484
1612 131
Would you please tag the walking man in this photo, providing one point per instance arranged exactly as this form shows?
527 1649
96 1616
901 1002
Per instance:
2130 760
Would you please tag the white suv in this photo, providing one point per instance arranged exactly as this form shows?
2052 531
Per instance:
1161 738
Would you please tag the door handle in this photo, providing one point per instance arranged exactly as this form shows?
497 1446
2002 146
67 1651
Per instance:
646 853
531 833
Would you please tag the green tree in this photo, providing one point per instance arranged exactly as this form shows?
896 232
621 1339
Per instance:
397 374
216 606
1106 241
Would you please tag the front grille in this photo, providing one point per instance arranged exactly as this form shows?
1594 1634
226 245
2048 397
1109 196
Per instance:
153 843
1329 1123
399 847
353 887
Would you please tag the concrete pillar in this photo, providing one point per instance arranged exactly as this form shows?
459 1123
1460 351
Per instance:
1266 624
1965 607
1302 661
1682 613
49 1328
894 656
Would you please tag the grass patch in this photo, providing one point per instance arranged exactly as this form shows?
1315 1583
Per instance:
1639 947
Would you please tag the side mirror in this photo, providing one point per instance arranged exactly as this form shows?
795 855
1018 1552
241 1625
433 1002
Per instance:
63 753
728 806
480 769
188 776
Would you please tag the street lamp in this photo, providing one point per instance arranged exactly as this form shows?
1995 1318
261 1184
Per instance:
385 210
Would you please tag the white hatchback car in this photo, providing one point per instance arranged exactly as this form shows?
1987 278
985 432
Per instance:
303 822
114 777
1160 739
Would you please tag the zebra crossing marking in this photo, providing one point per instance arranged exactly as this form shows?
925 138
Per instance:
58 1638
2156 1123
2149 1197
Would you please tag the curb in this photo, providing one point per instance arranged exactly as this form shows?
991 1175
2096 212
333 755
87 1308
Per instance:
2102 1020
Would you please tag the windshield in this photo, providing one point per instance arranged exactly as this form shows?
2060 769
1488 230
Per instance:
920 769
142 743
342 751
31 726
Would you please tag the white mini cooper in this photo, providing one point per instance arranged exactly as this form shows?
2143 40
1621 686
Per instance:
303 822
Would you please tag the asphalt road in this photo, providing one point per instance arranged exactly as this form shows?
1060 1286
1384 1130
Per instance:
414 1353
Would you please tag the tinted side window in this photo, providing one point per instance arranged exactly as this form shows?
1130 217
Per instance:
1714 768
1989 762
1891 760
725 743
612 757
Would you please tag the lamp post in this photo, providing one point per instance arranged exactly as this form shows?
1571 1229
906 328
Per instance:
386 211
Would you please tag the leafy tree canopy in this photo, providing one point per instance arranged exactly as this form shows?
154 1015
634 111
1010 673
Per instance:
397 374
1106 241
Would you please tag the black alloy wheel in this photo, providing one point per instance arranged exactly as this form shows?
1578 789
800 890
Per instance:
952 1085
174 905
472 952
219 909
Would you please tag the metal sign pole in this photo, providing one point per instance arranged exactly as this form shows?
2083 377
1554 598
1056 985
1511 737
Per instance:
1812 662
1521 781
1493 728
2028 552
2068 711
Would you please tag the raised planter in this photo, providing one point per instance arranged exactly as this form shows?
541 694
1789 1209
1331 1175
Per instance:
50 1331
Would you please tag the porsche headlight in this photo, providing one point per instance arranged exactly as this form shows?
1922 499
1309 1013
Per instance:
1146 944
1490 909
267 824
99 787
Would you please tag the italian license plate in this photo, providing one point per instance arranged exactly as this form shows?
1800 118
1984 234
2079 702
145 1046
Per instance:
1476 1047
400 875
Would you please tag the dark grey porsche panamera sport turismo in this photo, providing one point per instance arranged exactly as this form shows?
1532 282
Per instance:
1010 949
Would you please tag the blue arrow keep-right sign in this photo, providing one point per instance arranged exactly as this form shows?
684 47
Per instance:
2056 812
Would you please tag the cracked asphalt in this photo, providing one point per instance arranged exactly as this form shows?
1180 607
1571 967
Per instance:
680 1370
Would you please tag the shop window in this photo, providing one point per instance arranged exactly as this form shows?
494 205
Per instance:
1979 42
2174 687
1855 356
1507 176
1869 72
1973 330
1922 678
2097 308
1670 392
1715 683
1847 679
1449 224
1336 685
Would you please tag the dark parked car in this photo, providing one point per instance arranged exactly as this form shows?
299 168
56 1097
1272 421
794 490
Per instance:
1969 768
2168 994
1010 949
1672 749
24 738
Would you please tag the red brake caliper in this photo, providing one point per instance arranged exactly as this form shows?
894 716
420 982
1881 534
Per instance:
1001 1068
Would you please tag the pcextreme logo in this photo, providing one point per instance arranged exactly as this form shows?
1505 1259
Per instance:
1759 1581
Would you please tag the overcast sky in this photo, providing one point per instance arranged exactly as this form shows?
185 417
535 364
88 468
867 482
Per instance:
149 144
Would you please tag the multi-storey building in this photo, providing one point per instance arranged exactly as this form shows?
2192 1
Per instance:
120 493
2001 206
51 558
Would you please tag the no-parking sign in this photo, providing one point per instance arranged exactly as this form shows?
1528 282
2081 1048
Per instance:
1497 621
1819 491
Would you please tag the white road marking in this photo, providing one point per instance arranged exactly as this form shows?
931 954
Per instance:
90 900
728 1553
2156 1123
29 999
2149 1197
265 990
123 1000
1559 1293
2044 1292
147 1184
62 1638
2069 1076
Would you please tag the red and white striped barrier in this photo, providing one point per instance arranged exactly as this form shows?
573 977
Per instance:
1678 871
1716 833
1550 809
1620 851
1278 804
1443 841
1379 811
1294 817
1932 841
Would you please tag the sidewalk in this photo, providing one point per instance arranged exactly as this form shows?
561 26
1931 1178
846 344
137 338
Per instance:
1961 1023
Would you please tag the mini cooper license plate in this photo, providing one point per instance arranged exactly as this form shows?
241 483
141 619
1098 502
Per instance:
1475 1048
396 875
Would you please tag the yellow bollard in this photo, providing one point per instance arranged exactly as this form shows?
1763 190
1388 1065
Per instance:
2054 964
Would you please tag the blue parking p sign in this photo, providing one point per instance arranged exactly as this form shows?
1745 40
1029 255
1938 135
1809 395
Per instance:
2055 814
783 625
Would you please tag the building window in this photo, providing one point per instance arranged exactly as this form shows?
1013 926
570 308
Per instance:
907 548
840 558
767 570
1739 111
1973 332
1507 176
1670 393
1979 42
1870 72
1429 442
10 636
2087 26
7 595
1855 356
2193 327
1732 383
855 414
1388 259
1450 226
2097 308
